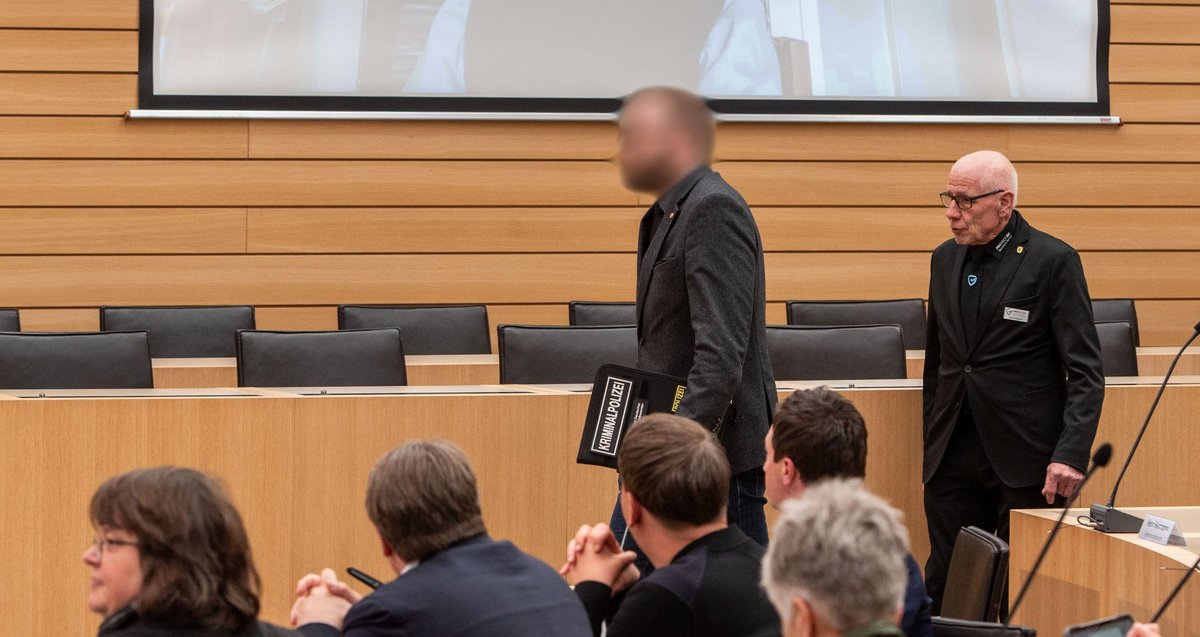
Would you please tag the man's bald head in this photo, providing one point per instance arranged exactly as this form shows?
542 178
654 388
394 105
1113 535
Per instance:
665 132
991 170
986 183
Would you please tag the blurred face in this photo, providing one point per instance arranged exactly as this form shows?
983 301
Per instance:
646 139
116 571
985 217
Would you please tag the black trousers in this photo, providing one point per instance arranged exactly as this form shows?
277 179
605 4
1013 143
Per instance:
965 491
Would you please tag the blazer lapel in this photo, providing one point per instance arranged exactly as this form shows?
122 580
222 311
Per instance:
952 295
1004 275
650 256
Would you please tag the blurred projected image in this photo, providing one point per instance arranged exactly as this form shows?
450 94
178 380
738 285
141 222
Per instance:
955 50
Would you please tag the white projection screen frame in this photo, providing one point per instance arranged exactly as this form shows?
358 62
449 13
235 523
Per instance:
830 60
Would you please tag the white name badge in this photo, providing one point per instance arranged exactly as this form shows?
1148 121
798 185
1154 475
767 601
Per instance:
1161 531
1013 314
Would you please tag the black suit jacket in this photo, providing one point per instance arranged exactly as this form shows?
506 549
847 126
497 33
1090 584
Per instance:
127 623
701 304
476 588
1035 388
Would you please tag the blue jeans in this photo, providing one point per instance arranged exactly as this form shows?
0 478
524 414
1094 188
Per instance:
746 502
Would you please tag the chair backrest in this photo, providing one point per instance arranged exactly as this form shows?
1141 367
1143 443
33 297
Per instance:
183 331
75 360
602 313
909 314
1104 310
1117 351
345 358
554 354
946 627
836 353
10 320
976 576
426 329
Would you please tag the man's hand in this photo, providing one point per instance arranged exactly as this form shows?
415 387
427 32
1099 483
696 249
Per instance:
1061 480
1144 630
322 599
595 555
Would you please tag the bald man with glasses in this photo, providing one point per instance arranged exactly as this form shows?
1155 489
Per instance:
1013 381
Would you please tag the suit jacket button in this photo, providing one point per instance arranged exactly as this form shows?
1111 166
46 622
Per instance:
967 369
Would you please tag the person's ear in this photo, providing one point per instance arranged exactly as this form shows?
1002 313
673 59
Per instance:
803 620
787 472
387 548
631 509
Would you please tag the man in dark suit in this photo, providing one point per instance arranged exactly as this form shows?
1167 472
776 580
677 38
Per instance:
452 579
1013 383
701 298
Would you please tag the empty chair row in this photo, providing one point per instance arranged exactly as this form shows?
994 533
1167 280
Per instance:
909 314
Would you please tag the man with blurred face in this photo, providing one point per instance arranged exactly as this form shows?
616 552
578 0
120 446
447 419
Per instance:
701 299
1013 381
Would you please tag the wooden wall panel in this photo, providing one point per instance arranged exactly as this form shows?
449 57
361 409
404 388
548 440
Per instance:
122 231
70 14
1153 24
118 138
59 50
66 94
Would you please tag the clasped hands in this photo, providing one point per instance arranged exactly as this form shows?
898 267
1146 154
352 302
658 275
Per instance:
323 599
595 555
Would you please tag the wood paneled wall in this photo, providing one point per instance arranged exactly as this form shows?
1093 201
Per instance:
295 217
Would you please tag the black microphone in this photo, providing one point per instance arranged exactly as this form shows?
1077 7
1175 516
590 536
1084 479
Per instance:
1178 587
1099 459
364 578
1104 517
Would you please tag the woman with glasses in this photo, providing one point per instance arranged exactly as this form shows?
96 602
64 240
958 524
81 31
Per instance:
171 557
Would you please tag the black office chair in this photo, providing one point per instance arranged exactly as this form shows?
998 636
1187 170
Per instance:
345 358
909 314
10 320
1105 310
426 329
602 313
183 331
945 627
1117 351
976 576
75 360
836 353
554 354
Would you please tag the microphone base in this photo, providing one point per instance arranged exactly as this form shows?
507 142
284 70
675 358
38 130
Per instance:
1110 520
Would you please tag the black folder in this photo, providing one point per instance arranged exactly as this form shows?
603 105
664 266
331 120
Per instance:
620 396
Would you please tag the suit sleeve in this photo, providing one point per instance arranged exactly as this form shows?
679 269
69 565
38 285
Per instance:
365 619
933 352
721 261
1078 346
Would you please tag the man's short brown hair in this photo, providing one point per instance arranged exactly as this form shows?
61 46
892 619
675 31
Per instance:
422 497
822 433
676 469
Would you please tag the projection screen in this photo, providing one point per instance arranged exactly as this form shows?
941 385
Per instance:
749 57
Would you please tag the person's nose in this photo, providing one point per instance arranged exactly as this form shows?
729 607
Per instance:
952 212
91 556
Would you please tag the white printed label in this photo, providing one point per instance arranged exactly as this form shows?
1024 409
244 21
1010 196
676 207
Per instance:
1013 314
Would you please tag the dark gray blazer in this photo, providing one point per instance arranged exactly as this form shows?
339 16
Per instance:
1035 386
701 304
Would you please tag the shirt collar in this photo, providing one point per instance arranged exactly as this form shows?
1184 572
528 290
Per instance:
669 201
996 246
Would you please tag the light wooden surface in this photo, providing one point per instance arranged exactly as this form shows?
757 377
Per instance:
1088 575
183 373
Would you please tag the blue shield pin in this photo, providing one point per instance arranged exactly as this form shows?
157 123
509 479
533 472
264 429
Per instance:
972 280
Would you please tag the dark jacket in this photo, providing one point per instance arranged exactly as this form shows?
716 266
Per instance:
710 589
917 620
476 588
127 623
701 308
1033 376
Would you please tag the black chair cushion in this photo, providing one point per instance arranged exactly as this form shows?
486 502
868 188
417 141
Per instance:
602 313
75 360
975 577
909 314
1104 310
426 329
558 354
1118 354
346 358
836 353
946 627
183 331
10 320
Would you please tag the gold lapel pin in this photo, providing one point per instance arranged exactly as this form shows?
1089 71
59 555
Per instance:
1020 249
671 216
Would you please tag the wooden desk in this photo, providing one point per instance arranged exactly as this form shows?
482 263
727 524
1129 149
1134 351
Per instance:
296 465
1152 361
1088 575
482 369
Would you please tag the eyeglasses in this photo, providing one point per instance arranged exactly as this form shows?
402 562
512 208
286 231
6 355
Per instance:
965 202
100 543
